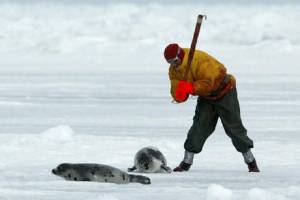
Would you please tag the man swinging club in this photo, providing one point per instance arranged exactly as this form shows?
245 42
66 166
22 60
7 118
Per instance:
194 72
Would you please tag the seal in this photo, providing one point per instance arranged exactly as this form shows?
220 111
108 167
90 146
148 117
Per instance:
150 160
97 173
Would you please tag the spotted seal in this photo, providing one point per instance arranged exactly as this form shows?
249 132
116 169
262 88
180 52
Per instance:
97 173
150 160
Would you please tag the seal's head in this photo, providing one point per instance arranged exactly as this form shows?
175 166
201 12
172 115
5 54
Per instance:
61 169
144 161
68 172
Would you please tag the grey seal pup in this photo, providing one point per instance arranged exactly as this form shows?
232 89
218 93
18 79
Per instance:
97 173
150 160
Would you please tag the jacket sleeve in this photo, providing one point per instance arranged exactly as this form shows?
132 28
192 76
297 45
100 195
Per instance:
203 87
209 74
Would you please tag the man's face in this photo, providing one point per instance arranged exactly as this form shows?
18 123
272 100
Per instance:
175 62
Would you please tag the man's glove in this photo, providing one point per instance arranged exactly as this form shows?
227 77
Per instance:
183 90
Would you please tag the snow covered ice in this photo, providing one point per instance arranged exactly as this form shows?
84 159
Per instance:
88 83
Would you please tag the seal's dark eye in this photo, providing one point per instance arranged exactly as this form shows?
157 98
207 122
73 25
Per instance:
69 175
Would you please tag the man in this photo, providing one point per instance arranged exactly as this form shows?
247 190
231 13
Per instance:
217 98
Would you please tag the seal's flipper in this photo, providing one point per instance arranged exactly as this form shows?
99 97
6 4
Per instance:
139 179
131 169
165 168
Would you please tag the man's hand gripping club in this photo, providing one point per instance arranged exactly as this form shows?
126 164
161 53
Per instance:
183 90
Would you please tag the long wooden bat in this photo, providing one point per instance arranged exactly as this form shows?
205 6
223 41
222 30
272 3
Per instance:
193 44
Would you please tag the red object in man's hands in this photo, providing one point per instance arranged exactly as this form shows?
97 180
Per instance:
186 86
181 96
183 90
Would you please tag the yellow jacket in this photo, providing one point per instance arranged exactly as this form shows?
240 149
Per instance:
206 73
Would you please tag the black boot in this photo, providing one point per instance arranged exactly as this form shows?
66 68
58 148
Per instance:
252 166
182 167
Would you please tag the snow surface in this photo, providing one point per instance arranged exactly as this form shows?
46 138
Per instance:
105 118
66 97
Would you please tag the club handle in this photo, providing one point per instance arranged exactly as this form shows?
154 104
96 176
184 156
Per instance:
193 44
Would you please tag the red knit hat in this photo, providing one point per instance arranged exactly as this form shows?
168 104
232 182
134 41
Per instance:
173 50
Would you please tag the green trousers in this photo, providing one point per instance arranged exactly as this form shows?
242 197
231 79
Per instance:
205 120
